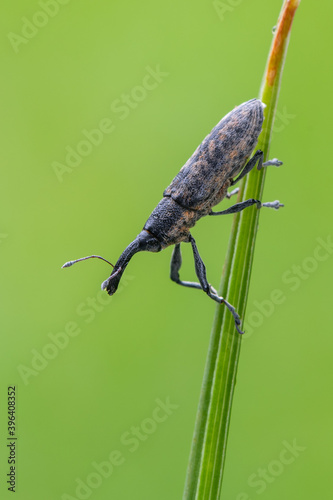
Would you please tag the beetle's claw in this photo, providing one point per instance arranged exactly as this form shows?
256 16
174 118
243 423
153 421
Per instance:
274 163
212 289
273 204
105 283
239 330
112 282
235 315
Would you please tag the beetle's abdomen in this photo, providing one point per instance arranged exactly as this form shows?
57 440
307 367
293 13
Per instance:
220 157
170 223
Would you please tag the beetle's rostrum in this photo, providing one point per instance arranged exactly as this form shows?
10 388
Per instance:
221 160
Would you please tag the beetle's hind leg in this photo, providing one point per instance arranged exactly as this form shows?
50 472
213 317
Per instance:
257 157
200 269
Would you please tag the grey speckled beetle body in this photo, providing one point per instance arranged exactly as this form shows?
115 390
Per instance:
200 185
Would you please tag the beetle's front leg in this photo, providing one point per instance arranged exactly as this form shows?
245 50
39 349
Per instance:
200 270
176 262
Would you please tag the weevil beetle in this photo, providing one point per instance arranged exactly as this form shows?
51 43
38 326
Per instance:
221 160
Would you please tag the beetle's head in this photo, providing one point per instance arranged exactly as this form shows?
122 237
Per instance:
145 241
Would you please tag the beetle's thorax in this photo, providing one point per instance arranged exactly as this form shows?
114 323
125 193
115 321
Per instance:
170 222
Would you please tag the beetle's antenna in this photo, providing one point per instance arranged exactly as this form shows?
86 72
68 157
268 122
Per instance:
71 262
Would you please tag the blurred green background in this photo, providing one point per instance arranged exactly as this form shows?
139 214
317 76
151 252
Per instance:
117 380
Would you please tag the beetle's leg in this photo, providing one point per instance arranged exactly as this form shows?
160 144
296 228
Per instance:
257 157
200 270
232 193
176 262
238 207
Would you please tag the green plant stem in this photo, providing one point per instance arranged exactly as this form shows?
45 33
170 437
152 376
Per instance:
205 470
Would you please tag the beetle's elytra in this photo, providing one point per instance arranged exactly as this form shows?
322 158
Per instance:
219 162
